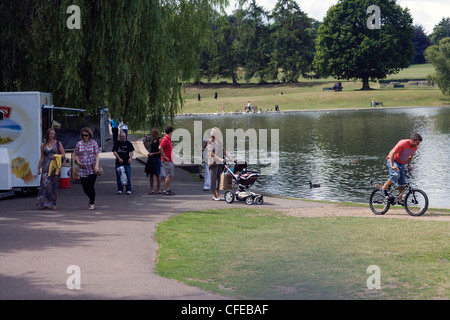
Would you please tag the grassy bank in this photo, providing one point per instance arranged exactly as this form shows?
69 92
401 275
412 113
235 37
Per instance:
309 94
261 254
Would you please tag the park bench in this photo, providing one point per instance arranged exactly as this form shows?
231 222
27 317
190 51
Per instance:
327 89
399 86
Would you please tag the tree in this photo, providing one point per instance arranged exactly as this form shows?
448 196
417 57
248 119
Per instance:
440 57
256 45
441 31
421 42
129 55
347 49
227 59
293 40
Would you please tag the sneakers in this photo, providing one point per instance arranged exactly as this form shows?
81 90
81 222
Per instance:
128 192
216 199
385 193
119 192
168 192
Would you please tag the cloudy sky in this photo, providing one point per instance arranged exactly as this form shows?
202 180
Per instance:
427 13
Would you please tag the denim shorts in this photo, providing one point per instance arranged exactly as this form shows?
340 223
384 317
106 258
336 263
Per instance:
397 177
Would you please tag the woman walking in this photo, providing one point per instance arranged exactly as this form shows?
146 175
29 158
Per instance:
87 154
51 150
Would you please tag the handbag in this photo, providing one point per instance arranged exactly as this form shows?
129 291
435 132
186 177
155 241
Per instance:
100 169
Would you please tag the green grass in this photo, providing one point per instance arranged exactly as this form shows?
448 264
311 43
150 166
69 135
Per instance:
262 254
308 95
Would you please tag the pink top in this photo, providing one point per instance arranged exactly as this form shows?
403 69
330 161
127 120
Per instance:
403 151
87 155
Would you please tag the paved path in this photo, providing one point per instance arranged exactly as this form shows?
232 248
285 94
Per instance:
112 245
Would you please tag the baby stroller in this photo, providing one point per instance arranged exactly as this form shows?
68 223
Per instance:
244 180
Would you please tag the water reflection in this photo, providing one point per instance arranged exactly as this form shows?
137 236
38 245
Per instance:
344 150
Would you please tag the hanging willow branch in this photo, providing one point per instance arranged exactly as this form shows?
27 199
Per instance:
129 56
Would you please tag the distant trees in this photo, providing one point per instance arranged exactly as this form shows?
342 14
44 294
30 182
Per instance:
347 49
421 43
441 31
439 55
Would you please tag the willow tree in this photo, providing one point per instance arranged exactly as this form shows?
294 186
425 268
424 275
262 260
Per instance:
350 46
129 56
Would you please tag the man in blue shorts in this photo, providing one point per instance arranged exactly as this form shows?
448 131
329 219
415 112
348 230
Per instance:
399 157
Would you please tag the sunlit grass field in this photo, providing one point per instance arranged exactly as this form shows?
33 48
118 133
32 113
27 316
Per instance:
263 254
310 95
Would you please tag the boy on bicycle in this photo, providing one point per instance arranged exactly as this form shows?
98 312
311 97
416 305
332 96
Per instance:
400 156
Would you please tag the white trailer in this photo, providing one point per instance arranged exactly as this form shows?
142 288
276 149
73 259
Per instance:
24 118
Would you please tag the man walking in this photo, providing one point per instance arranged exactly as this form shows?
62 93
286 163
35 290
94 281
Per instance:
123 150
166 149
400 156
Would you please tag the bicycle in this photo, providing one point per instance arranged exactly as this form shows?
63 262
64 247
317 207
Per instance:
414 200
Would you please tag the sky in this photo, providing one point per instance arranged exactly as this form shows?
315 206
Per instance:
427 13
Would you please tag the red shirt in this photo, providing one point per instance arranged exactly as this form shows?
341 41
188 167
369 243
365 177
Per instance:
403 151
166 145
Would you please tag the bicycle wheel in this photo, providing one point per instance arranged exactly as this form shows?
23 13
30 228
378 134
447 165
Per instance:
378 203
416 202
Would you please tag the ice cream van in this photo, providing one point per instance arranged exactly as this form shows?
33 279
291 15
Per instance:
24 119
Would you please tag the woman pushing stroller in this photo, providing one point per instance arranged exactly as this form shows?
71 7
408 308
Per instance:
216 158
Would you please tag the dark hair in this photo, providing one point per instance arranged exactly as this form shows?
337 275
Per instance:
169 129
416 137
155 133
48 132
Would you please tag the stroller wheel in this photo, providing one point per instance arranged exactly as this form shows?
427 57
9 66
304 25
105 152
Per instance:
259 200
229 196
249 200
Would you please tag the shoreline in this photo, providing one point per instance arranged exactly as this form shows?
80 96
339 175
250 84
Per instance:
304 110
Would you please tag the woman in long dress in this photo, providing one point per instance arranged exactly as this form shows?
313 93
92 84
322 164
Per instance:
48 191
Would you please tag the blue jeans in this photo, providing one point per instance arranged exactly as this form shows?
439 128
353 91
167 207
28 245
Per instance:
128 174
397 177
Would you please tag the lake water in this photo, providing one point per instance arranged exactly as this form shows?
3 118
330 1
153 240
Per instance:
340 150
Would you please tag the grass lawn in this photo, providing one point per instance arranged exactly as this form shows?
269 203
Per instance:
309 95
262 254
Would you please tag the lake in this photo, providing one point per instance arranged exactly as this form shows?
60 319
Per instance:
341 150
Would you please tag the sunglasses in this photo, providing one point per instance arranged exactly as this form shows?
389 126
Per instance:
85 135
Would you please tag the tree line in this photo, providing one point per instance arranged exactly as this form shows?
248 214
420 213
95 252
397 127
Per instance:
131 56
284 44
